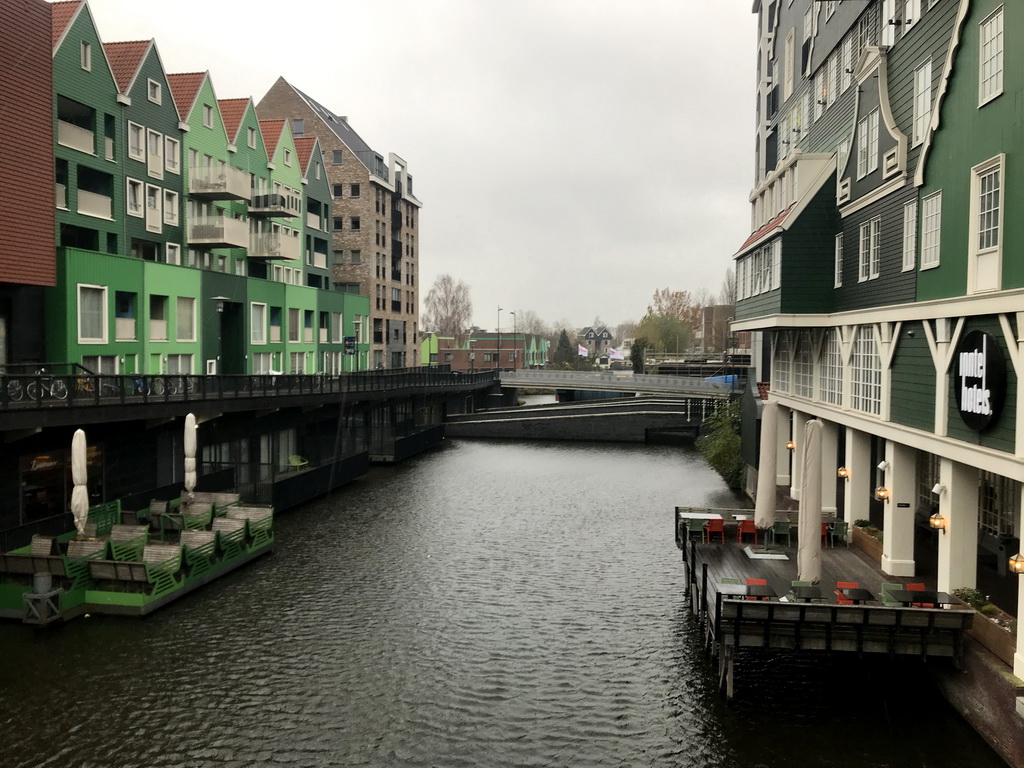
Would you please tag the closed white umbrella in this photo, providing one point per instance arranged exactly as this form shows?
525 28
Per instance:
764 503
808 555
190 454
80 477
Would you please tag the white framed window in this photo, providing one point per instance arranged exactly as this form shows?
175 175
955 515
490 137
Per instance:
288 157
780 363
876 247
931 224
869 250
888 22
831 378
296 362
258 323
172 155
154 209
846 76
208 115
92 314
173 253
153 91
170 207
922 100
839 261
909 235
803 366
294 320
911 13
186 319
136 142
866 373
819 93
832 81
867 144
985 268
134 198
788 66
830 9
998 503
336 328
250 137
85 56
990 71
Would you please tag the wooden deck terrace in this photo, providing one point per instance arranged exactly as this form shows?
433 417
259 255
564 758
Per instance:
731 623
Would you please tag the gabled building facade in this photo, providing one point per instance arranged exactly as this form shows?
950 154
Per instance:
878 275
375 222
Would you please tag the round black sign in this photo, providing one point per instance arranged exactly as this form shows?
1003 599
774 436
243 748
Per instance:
979 380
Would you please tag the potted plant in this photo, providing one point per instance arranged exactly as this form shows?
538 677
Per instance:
993 627
867 538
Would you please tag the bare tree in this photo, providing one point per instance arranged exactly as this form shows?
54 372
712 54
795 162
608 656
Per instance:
530 323
447 308
727 295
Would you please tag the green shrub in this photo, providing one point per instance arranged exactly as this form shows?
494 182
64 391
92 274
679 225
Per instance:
972 597
862 523
720 444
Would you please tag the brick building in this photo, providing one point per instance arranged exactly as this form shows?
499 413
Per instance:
376 222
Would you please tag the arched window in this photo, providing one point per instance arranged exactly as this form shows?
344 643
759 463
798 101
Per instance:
866 372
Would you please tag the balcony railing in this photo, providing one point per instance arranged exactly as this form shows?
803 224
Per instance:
275 334
324 335
273 204
92 204
60 195
312 220
319 260
274 245
307 335
218 183
157 330
124 329
218 232
76 137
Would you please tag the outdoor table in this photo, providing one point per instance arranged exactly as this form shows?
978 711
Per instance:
859 595
808 594
732 590
760 591
699 516
907 596
742 517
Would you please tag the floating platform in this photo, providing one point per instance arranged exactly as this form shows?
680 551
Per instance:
733 622
132 563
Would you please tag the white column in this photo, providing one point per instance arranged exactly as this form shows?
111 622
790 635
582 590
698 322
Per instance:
829 465
799 420
898 525
857 491
958 546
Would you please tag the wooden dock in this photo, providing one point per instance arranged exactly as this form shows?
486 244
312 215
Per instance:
731 623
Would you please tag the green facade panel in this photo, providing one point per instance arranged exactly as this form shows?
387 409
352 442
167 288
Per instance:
913 380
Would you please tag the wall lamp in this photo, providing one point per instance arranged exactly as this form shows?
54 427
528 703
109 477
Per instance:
883 465
882 493
1017 563
220 302
938 489
938 522
844 473
790 444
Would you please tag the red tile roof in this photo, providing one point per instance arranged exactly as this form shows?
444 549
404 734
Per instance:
304 149
232 111
184 88
61 15
773 224
125 59
271 135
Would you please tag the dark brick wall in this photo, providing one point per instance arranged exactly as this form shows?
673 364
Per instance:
26 164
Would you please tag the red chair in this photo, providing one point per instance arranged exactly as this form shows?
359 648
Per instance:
712 527
919 587
762 582
842 599
746 526
824 535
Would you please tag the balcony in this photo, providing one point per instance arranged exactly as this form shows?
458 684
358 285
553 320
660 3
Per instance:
274 246
218 232
124 329
218 183
272 204
76 137
92 204
312 220
157 330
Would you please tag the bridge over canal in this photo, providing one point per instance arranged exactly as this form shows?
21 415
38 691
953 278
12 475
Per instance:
624 381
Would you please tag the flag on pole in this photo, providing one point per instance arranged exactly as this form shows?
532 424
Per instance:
581 350
615 354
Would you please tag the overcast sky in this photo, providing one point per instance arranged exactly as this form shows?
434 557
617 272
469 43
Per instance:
572 156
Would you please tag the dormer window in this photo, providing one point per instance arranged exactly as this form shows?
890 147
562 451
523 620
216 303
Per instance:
153 91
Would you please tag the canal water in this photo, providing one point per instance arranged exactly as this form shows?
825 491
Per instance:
486 604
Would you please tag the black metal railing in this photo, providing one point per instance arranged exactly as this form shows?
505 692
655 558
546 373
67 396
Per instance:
44 389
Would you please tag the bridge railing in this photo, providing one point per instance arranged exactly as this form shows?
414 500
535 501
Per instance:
45 390
626 382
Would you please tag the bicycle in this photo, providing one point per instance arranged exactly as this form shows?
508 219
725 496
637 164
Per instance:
44 386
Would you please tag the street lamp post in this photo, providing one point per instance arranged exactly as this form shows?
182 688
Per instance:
515 343
497 360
